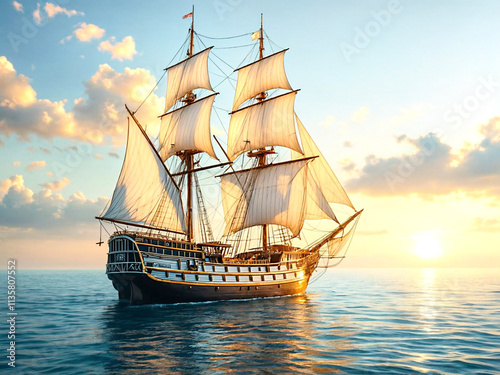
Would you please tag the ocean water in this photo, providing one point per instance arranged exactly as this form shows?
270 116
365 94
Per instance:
351 321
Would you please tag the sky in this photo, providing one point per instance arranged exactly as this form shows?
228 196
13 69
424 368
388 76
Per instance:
402 97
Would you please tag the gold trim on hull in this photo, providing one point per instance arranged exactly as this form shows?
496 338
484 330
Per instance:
219 284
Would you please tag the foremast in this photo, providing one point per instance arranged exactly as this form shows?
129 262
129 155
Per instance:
185 124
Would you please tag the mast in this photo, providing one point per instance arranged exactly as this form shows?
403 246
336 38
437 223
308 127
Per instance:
272 193
189 155
262 152
185 130
192 35
261 39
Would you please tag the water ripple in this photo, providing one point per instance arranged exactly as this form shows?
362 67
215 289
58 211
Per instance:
350 321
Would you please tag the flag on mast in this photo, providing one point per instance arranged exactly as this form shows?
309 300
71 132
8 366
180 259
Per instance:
256 35
188 15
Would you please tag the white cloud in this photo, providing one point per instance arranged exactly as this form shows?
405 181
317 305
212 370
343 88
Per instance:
481 224
5 185
16 197
124 50
53 10
36 165
360 115
64 40
86 33
57 185
435 169
45 211
99 113
14 90
328 122
37 16
347 164
18 6
107 92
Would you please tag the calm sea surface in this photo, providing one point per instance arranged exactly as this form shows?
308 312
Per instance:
351 321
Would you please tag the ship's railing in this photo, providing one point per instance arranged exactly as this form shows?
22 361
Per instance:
246 261
144 234
121 267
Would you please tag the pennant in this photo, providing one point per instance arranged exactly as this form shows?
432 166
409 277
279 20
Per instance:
256 35
188 15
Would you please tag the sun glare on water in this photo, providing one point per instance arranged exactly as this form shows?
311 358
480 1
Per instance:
427 246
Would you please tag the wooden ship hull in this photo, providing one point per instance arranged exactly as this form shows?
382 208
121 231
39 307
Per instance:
149 270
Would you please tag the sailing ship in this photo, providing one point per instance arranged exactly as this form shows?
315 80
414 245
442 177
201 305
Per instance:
156 255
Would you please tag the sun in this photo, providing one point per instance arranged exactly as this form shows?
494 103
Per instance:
427 246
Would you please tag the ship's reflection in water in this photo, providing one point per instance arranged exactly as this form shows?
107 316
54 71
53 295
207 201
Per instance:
284 335
352 321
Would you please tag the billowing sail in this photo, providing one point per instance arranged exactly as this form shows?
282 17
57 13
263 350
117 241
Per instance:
186 76
317 206
274 194
259 76
335 245
144 189
187 128
320 171
270 123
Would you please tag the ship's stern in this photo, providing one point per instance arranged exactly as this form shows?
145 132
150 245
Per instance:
124 264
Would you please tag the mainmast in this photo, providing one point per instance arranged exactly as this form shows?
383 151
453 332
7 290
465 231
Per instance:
188 155
262 152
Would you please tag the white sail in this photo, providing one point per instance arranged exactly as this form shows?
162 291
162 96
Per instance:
274 194
270 123
265 74
186 76
144 186
320 170
187 128
317 206
335 245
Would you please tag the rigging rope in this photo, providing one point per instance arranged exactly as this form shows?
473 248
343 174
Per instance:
270 41
223 61
153 89
163 75
227 77
227 37
240 46
248 54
